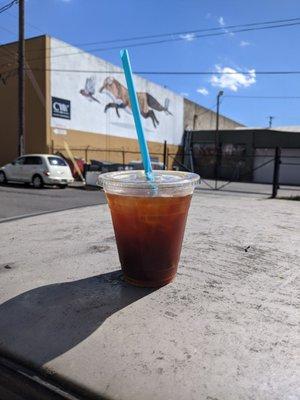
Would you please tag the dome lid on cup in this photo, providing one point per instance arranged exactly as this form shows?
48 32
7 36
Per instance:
136 179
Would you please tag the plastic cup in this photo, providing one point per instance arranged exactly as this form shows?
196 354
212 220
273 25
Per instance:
149 221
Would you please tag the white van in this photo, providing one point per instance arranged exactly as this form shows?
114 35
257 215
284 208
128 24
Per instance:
39 170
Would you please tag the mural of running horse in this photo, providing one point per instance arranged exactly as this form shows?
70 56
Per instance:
146 101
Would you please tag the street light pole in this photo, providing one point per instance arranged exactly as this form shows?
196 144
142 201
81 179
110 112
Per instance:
21 81
217 141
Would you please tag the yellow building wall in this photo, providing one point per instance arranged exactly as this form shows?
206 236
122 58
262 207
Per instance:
102 147
39 136
35 94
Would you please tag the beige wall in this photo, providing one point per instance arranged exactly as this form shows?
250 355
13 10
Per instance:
106 147
39 136
8 106
197 117
35 89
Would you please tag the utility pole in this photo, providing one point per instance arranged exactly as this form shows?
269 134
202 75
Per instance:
270 121
21 80
217 141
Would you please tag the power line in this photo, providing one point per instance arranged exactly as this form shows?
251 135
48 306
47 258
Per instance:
7 30
220 72
223 32
34 27
191 31
27 23
262 97
207 110
171 40
11 72
194 31
8 6
171 72
175 73
191 73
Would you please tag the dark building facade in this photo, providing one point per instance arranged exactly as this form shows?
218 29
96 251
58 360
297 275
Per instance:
245 154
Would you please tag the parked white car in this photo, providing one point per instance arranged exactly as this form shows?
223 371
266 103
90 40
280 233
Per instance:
39 170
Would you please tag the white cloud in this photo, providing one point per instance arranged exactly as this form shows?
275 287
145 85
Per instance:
244 43
229 78
188 36
229 33
221 21
203 91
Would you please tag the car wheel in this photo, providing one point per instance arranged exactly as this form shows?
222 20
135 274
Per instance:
62 186
37 182
3 179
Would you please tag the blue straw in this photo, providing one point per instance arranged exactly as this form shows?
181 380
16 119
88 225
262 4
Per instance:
136 115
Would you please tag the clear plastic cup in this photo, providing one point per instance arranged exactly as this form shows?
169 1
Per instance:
149 221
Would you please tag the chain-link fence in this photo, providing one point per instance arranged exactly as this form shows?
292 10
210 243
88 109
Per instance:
232 170
263 173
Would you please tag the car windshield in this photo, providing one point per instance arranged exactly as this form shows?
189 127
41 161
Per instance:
19 161
57 161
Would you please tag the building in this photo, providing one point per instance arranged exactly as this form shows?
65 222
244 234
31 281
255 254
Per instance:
246 154
77 98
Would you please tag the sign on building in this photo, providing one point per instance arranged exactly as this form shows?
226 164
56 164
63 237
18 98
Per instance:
61 108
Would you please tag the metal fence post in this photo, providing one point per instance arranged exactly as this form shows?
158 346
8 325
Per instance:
217 140
86 154
277 163
165 155
217 164
123 158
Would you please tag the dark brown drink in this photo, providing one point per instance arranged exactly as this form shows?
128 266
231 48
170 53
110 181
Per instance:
149 233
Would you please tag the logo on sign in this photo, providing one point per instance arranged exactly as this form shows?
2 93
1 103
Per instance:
61 108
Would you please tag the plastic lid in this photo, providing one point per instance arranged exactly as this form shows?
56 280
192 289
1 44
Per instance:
136 179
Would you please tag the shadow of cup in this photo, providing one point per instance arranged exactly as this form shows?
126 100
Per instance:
47 321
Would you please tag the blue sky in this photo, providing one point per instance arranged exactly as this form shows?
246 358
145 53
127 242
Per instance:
84 21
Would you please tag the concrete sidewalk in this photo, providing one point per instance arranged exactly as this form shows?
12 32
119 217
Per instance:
225 329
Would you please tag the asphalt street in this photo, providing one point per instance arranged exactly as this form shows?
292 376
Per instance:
20 201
